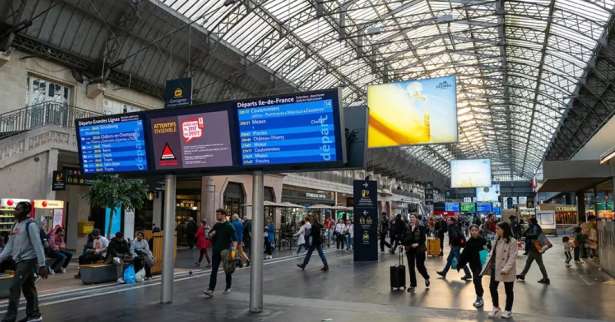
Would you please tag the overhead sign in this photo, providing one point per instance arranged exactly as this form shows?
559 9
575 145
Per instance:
412 112
112 144
470 173
468 207
192 140
484 207
452 207
178 92
491 193
365 216
291 130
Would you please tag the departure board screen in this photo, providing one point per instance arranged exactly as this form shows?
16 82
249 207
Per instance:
113 144
301 129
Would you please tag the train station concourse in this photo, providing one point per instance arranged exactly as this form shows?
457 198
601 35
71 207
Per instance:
307 160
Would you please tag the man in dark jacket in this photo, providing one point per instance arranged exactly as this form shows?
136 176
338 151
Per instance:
398 232
118 253
441 229
384 230
316 234
533 234
457 240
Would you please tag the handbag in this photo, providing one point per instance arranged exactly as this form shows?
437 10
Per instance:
484 257
129 275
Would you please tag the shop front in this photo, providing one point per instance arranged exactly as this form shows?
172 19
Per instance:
309 198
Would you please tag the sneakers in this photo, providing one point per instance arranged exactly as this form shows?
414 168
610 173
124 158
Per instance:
325 269
411 289
38 318
494 312
208 293
442 274
545 281
301 266
427 284
521 278
506 315
121 281
63 270
479 302
467 278
228 290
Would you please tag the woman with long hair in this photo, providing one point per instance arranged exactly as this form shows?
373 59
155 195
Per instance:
502 268
203 242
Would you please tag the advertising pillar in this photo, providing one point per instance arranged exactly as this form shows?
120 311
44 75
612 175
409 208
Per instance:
365 220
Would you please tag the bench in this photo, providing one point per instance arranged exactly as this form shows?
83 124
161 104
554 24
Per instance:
97 273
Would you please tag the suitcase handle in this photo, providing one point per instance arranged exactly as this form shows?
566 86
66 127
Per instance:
401 255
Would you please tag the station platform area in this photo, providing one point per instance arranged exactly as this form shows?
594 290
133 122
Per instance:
350 291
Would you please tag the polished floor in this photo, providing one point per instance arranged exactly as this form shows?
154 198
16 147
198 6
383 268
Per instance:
349 292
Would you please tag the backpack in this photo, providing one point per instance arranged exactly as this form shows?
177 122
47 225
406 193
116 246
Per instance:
41 235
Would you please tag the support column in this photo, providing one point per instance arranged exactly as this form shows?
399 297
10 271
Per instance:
169 241
52 165
581 206
157 210
258 247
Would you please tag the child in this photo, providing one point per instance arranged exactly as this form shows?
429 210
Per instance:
568 247
471 255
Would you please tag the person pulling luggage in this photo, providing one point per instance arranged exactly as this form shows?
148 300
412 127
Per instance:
414 242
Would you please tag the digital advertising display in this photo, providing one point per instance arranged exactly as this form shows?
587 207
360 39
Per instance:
413 112
112 144
290 130
470 173
195 140
452 207
468 207
484 207
488 193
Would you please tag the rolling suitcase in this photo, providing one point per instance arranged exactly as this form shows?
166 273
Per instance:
433 247
398 274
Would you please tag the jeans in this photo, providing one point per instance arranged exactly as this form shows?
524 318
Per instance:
62 259
534 255
455 252
348 242
416 259
317 247
23 280
568 256
216 259
339 241
510 295
477 279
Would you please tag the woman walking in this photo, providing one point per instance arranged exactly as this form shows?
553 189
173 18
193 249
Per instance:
203 243
300 235
414 242
502 267
471 255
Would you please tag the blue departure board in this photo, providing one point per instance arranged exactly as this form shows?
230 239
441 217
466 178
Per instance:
114 144
294 130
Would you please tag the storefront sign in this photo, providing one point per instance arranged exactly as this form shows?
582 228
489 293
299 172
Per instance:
11 202
365 220
74 176
59 181
178 92
48 204
319 196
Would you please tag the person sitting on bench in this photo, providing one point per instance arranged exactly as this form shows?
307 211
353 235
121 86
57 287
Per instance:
118 253
57 250
142 256
94 250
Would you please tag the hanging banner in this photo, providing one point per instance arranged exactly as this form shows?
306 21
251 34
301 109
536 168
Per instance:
178 92
365 246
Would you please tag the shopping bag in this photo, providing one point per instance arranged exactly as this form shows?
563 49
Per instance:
140 276
484 256
129 275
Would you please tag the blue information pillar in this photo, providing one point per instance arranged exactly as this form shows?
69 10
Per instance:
365 220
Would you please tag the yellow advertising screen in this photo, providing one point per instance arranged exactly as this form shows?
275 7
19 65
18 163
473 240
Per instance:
412 112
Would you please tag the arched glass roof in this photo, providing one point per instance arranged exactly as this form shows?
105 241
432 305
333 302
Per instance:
518 62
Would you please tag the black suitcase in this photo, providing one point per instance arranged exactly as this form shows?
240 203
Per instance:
398 274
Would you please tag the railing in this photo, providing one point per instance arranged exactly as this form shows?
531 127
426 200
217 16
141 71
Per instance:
42 114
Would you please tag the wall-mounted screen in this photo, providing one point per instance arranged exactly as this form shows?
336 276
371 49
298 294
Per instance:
468 207
291 130
488 193
112 144
412 112
470 173
192 140
452 207
484 207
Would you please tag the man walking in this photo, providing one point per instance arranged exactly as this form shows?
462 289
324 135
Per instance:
238 226
223 237
456 240
316 243
26 249
384 230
